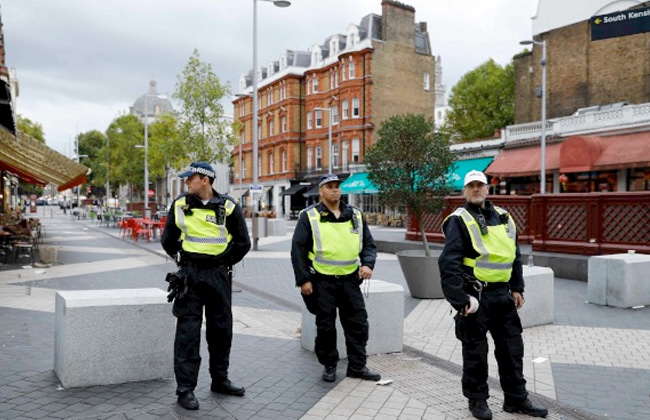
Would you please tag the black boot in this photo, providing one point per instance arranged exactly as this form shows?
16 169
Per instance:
526 407
188 401
480 409
329 374
364 373
228 388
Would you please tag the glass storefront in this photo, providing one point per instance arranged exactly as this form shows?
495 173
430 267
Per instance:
638 179
582 182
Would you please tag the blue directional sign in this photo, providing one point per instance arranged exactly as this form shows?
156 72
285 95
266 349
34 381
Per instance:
629 22
256 189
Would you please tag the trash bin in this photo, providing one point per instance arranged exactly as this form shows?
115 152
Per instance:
262 226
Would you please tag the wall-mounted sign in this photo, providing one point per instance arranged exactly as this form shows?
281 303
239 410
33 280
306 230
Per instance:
629 22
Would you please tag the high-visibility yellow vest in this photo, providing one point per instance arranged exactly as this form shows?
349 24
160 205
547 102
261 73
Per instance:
496 249
200 232
336 245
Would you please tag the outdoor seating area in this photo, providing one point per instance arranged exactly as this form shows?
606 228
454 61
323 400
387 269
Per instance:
130 224
20 237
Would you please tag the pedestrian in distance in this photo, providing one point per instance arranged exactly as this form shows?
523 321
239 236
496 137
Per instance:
206 234
482 278
332 253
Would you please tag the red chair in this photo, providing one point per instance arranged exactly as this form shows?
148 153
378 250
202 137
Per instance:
126 228
138 230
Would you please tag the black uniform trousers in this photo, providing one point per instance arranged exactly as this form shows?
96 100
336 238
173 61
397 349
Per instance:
210 288
497 313
340 292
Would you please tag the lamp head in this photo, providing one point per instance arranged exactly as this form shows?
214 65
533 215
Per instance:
528 42
282 3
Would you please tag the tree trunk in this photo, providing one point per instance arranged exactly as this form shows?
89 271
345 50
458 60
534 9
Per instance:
427 251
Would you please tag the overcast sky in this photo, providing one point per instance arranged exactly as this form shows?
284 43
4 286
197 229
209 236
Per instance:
82 63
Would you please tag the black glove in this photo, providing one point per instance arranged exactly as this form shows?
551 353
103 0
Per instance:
177 285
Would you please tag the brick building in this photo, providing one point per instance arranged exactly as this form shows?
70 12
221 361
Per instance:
379 67
598 104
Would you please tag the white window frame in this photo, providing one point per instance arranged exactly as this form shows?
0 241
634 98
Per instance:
427 81
271 163
335 155
271 131
344 154
356 112
283 159
335 114
310 157
355 151
315 83
344 109
318 117
319 157
351 69
309 120
284 123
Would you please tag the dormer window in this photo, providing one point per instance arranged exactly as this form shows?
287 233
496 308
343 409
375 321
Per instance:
334 44
269 69
353 36
242 83
316 55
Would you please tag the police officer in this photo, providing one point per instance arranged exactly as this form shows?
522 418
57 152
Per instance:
482 279
209 232
330 239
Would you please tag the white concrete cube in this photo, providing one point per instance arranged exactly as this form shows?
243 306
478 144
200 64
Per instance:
385 307
539 292
619 280
113 336
277 227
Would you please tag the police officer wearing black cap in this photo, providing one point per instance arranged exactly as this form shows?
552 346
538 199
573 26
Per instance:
481 276
208 231
332 253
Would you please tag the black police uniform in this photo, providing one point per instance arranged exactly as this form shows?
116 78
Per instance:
497 312
330 292
210 285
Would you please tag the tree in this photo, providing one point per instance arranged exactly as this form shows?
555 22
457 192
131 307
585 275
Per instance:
92 145
409 165
166 149
204 132
482 102
126 162
31 128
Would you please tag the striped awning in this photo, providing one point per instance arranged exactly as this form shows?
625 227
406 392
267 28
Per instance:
34 162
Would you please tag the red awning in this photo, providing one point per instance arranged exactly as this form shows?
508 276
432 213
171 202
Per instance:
584 153
524 161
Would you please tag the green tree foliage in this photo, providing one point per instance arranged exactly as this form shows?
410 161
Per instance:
92 145
482 102
126 162
409 165
204 132
166 150
31 128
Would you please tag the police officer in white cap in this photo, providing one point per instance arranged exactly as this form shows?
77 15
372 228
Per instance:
482 278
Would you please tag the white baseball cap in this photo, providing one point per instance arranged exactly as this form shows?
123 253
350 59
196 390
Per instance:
475 176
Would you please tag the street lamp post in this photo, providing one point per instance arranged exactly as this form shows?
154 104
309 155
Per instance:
78 186
147 210
329 138
278 3
542 187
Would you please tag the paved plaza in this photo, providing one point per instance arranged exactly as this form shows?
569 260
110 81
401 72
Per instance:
591 363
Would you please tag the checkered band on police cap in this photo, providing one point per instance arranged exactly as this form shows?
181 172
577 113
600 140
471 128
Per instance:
327 179
201 168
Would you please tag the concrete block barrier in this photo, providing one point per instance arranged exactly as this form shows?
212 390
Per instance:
619 280
113 336
385 307
539 294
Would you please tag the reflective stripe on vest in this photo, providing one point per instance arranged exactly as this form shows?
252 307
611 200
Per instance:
496 249
200 232
336 245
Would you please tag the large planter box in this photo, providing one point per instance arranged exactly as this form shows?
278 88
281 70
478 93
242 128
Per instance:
421 273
